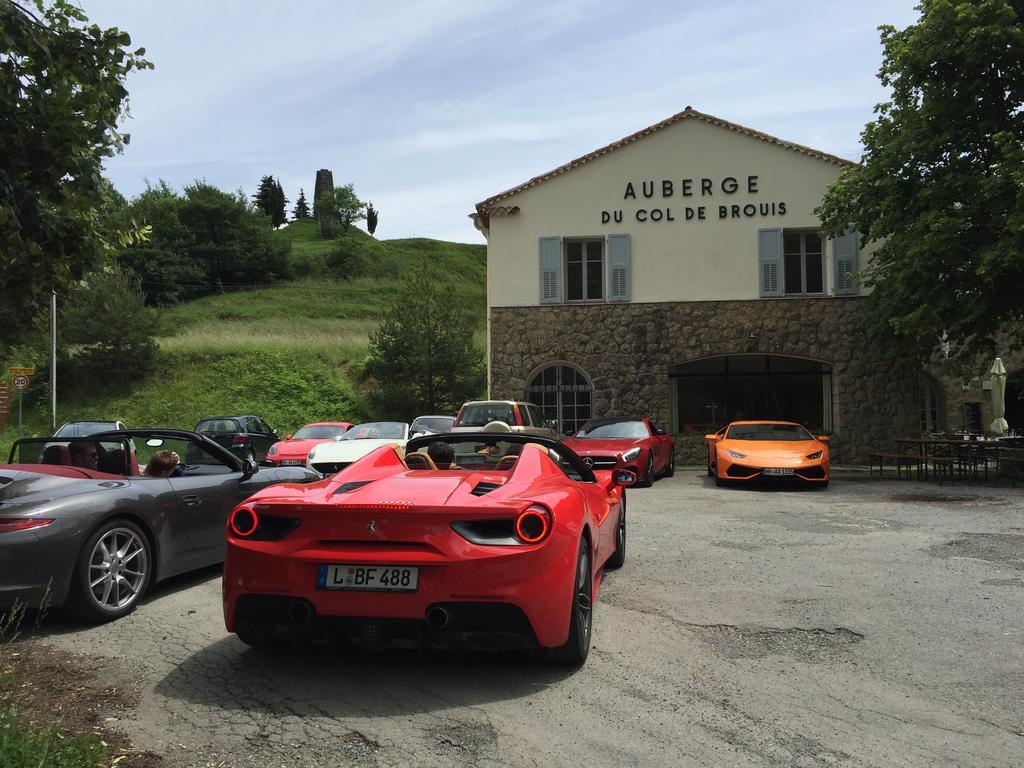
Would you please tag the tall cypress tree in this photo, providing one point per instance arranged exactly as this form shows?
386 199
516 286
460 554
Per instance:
264 198
371 218
301 207
279 214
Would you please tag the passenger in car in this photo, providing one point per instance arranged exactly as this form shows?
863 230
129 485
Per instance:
441 454
84 454
163 464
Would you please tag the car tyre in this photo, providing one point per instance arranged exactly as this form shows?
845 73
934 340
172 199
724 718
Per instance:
116 556
718 480
581 614
250 455
670 468
647 479
618 557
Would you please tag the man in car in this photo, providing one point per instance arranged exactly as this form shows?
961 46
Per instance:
84 454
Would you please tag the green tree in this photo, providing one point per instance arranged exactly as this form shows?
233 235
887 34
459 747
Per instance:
301 211
107 332
422 356
264 197
941 185
372 218
62 92
280 212
342 206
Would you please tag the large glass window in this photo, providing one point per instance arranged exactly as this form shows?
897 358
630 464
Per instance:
564 394
714 391
584 270
804 265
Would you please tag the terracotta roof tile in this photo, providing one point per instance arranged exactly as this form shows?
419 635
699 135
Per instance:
483 208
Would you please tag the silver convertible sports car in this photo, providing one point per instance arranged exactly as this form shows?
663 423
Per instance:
85 522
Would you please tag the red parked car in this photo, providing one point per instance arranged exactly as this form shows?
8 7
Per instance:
294 449
502 547
635 444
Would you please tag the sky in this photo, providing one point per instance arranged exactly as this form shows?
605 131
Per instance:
429 107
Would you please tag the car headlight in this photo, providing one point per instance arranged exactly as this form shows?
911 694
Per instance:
735 454
312 454
273 450
631 455
815 455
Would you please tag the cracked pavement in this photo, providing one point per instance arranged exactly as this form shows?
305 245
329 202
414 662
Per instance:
854 627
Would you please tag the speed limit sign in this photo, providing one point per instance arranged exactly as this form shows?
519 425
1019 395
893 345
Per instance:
20 382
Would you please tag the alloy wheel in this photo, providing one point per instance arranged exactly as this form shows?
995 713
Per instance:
118 567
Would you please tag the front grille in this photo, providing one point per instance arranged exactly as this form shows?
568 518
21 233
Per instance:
330 467
738 470
601 462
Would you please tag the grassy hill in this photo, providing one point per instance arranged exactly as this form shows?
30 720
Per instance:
292 353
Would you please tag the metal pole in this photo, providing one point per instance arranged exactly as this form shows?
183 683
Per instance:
53 362
21 396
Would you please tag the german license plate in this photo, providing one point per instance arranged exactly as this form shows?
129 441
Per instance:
368 578
777 471
292 463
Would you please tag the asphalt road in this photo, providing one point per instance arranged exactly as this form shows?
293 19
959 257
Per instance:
871 624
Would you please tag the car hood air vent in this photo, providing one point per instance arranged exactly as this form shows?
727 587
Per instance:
483 487
351 486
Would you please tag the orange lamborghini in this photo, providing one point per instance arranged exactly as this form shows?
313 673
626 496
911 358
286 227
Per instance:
754 450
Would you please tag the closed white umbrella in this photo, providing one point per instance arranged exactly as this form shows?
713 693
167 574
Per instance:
998 373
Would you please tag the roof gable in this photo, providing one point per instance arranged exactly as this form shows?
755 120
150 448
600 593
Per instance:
491 204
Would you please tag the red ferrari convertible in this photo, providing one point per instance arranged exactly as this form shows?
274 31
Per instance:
634 444
481 539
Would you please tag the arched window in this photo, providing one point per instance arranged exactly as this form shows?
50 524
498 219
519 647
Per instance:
564 393
713 391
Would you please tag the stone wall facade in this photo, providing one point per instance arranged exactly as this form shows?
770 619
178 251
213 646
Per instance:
627 349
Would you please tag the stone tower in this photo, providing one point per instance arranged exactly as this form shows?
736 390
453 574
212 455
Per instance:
324 183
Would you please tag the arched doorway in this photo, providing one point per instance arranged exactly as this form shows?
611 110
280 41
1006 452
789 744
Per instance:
564 393
712 391
932 404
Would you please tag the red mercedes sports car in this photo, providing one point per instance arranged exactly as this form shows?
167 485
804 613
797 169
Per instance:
771 450
634 444
485 539
294 449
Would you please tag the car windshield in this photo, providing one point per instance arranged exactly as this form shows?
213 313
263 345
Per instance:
432 424
318 431
615 429
84 428
482 414
783 432
388 430
218 425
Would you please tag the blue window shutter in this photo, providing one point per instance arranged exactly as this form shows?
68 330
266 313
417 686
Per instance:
769 261
844 253
619 277
550 270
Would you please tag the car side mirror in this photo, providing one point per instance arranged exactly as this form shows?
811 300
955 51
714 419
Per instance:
659 431
711 437
824 439
551 424
249 468
623 477
288 436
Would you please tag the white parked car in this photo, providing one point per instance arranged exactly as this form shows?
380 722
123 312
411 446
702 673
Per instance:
329 458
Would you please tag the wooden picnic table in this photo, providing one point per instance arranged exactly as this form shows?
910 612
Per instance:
942 455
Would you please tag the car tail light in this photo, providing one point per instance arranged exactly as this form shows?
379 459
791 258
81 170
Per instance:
243 522
239 439
11 524
533 525
256 524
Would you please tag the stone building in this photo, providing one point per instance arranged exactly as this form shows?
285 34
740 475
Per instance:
680 274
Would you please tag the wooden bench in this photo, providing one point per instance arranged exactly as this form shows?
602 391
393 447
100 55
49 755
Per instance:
897 460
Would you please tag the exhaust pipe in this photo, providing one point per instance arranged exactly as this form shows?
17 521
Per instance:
300 612
437 617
